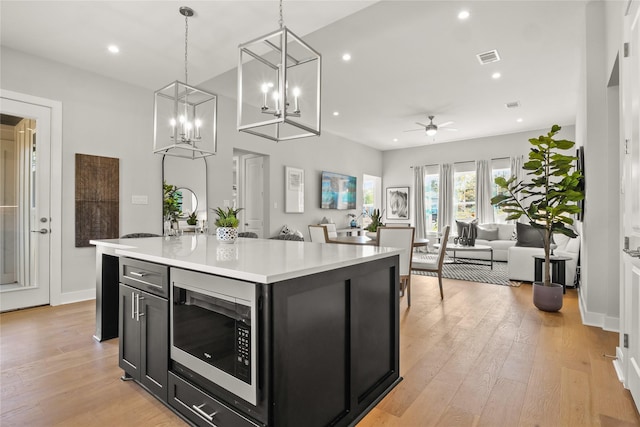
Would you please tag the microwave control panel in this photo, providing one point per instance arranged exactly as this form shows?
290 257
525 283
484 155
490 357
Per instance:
243 352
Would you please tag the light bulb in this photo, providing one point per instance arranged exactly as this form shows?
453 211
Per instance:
172 122
198 123
265 88
181 119
296 91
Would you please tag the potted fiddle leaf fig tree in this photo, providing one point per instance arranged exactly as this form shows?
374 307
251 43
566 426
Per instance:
227 223
548 199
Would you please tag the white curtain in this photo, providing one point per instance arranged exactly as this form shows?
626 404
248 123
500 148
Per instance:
445 200
516 167
483 192
418 185
518 172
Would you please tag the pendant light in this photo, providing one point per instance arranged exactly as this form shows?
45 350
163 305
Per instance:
185 116
279 86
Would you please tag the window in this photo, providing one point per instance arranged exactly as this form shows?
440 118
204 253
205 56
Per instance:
464 191
371 193
499 167
431 193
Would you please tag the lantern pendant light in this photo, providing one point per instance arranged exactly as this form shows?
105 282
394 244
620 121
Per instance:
185 116
279 79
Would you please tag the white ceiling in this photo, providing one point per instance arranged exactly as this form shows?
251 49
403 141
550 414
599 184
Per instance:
409 58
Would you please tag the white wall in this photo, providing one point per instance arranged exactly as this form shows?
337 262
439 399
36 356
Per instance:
101 117
599 292
397 163
313 155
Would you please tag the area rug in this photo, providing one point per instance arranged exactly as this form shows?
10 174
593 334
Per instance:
471 272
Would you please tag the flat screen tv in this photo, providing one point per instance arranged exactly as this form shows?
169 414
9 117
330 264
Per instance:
338 191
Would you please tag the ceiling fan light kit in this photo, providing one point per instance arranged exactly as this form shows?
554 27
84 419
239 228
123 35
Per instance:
185 117
279 79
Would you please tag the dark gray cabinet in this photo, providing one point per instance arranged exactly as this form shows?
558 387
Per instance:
143 330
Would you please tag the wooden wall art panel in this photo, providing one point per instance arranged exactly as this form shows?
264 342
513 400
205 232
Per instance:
97 198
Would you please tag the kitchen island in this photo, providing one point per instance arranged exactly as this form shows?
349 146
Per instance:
324 329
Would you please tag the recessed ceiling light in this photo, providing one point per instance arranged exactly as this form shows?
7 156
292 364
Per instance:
519 120
346 57
113 48
496 75
463 15
395 139
336 113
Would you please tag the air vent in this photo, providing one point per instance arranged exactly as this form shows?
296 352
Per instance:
514 104
488 57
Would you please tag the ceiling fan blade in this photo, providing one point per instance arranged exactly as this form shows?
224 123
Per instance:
413 130
422 124
451 129
446 124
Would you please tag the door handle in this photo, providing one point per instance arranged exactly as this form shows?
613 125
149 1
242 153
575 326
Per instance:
41 231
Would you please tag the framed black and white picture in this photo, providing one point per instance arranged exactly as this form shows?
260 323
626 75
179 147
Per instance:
294 190
397 203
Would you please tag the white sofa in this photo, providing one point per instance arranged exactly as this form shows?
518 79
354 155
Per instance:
521 262
500 245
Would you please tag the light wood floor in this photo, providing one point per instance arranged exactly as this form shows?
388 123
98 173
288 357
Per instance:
482 357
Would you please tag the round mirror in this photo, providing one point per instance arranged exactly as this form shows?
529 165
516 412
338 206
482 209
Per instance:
187 201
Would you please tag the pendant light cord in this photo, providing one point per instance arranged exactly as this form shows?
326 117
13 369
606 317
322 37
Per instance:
281 21
186 48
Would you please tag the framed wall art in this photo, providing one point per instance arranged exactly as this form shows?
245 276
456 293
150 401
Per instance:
294 190
397 203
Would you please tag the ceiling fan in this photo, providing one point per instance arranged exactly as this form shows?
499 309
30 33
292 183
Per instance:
432 128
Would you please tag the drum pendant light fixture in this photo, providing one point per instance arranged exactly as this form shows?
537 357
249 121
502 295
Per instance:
279 79
185 116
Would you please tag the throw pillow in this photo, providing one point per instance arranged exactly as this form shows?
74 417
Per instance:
487 233
529 237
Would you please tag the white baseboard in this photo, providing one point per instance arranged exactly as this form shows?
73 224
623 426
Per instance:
77 296
607 323
618 364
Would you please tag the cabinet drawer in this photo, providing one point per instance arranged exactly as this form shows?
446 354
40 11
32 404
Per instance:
202 409
146 276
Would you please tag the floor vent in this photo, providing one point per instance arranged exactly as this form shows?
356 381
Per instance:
488 57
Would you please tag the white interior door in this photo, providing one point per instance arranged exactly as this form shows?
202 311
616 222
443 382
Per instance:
630 291
25 204
253 192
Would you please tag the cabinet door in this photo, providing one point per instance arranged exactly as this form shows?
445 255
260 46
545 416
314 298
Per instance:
129 331
154 330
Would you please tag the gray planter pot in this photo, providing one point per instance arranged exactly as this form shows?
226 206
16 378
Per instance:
547 298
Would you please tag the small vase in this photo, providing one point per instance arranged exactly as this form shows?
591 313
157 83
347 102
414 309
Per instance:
226 234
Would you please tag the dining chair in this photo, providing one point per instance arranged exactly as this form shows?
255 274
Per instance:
400 237
397 224
318 234
435 266
331 230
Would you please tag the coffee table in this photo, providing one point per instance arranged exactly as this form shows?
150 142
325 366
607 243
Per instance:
461 248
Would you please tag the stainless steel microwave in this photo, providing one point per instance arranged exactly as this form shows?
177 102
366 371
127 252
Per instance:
213 330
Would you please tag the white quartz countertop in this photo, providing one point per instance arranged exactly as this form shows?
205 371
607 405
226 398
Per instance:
254 260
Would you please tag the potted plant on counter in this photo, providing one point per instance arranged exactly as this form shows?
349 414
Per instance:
548 200
227 224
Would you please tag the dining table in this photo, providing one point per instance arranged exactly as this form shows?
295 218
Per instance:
364 240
